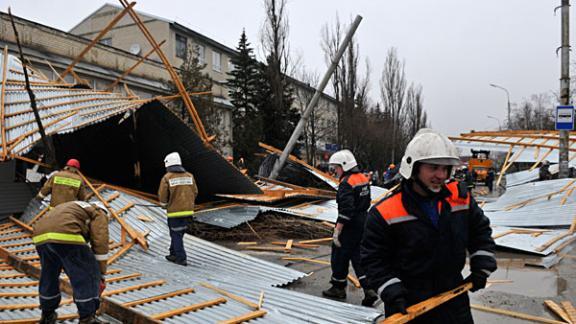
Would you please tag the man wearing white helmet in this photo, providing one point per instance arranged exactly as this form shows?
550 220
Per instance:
353 198
177 193
416 239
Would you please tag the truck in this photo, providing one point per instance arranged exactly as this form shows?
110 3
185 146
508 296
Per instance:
480 165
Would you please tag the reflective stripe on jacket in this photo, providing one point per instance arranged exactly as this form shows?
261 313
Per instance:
65 185
75 222
178 191
401 244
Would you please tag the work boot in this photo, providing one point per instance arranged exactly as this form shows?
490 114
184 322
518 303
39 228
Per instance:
335 292
92 319
370 297
171 258
48 317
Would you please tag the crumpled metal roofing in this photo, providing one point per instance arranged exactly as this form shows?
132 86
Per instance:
543 208
528 242
61 108
325 210
234 271
521 177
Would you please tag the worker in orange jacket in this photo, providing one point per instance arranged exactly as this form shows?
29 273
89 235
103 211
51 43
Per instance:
353 198
416 239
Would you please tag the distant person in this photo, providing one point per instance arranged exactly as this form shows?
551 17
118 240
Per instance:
72 237
66 185
177 193
490 179
544 173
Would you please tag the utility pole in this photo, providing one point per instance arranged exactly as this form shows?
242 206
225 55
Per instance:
564 87
304 119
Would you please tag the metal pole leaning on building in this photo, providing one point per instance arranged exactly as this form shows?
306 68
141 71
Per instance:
564 87
304 119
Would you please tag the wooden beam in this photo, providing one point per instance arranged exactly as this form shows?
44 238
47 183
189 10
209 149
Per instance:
125 208
120 252
181 89
426 305
307 260
230 295
22 224
190 308
2 104
63 317
133 234
140 61
556 309
23 158
122 290
97 39
40 214
322 240
552 241
159 297
245 317
570 310
354 281
515 314
124 277
504 167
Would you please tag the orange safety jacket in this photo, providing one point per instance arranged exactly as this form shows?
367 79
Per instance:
401 244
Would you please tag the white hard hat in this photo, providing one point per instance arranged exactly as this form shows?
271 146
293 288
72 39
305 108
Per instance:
172 159
345 159
430 147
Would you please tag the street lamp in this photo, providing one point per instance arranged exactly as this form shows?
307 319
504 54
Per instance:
508 100
498 120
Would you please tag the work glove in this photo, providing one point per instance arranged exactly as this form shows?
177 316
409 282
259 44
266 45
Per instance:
335 237
478 280
102 286
37 197
394 298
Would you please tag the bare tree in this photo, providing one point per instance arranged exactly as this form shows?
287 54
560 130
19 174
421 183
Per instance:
279 117
331 39
393 91
415 114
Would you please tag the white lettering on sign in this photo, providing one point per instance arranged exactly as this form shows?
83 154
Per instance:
184 181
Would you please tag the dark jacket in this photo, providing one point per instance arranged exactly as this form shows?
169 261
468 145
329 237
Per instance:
353 198
401 245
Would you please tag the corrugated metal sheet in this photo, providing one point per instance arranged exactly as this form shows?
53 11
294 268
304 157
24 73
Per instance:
207 262
228 217
61 109
543 205
521 177
528 242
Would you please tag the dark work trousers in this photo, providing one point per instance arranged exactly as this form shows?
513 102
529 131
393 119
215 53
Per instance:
178 226
349 251
82 269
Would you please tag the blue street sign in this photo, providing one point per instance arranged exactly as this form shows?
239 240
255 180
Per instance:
565 118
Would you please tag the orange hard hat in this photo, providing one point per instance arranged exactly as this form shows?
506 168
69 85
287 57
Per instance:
73 163
392 166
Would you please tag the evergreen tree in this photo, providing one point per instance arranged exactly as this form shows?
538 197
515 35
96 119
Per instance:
242 83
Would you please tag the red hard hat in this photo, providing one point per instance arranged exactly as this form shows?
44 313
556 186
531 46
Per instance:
73 163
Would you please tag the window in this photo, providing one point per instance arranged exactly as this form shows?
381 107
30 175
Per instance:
181 46
201 51
106 41
231 66
216 62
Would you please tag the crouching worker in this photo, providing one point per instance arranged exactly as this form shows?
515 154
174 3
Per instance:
61 238
177 193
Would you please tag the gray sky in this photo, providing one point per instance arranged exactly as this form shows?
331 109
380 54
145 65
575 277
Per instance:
453 48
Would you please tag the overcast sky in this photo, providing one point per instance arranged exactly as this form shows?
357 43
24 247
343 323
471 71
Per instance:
453 48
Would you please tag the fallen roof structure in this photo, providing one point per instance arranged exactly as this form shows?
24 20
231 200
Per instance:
143 283
92 126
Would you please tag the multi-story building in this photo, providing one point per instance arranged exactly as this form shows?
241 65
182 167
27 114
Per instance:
124 44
